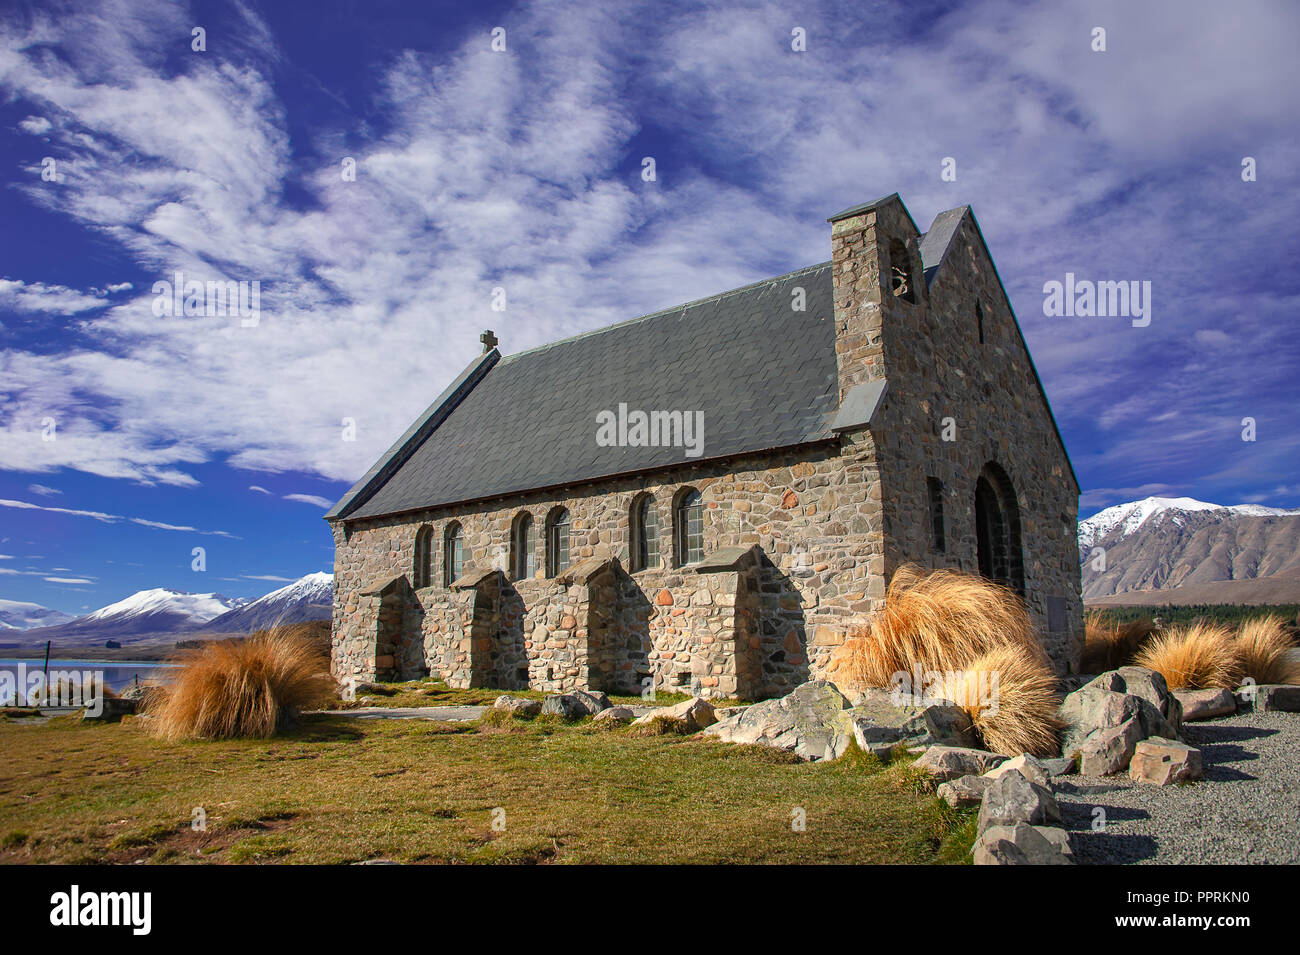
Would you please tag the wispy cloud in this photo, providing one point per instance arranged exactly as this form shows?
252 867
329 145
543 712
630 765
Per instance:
521 170
109 518
322 502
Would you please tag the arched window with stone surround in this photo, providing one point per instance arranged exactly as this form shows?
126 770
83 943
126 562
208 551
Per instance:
979 321
523 548
900 272
688 524
644 528
557 541
422 565
453 553
997 529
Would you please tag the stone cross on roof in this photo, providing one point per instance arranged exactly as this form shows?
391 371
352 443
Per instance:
488 339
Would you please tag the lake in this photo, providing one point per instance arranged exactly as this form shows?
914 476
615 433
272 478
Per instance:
117 676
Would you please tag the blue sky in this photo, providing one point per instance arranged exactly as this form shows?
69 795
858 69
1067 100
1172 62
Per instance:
521 169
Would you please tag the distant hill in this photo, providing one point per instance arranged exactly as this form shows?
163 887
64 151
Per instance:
19 615
1182 551
161 614
145 613
308 598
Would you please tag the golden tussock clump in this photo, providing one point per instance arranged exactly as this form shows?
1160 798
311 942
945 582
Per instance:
250 687
1262 648
1012 701
1109 646
1197 657
954 623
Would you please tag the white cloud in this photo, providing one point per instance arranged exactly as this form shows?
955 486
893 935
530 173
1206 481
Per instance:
36 125
513 170
106 518
43 490
259 490
310 499
23 296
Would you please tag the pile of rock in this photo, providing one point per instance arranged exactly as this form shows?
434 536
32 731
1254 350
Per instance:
1020 821
1107 718
817 722
567 706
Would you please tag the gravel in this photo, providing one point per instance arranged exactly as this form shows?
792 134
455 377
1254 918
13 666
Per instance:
1246 810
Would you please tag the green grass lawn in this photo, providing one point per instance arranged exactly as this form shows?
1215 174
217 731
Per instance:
342 790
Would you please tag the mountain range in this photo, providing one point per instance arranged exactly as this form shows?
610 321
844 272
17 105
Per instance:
1183 551
161 612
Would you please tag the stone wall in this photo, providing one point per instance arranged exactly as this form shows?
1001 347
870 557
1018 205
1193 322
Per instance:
955 405
812 513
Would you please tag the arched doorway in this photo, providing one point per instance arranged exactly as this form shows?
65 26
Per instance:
997 529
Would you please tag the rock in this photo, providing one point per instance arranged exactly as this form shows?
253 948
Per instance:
1062 766
813 722
1277 698
1013 798
1110 750
964 791
1105 704
593 700
691 715
1029 766
945 763
727 712
1163 762
1023 844
564 705
615 714
517 706
136 691
1205 704
879 718
113 708
1151 686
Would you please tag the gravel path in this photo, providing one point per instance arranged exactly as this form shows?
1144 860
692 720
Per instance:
1247 809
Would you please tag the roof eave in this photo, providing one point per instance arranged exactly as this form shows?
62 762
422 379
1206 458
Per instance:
415 435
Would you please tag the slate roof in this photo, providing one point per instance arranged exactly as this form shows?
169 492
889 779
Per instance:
763 375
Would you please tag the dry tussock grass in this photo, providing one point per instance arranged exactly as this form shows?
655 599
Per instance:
1197 657
949 622
1262 647
244 688
1108 645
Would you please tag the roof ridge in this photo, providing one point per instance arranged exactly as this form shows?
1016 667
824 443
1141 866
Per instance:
716 297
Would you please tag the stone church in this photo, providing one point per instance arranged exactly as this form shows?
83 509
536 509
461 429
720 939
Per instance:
712 497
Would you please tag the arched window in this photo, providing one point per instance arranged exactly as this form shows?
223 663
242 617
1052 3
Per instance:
557 541
453 553
422 567
979 321
997 529
523 543
689 521
900 272
644 526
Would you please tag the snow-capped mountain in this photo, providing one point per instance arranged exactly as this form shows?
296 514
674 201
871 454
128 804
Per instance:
194 608
145 613
307 598
1127 518
1210 551
20 615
